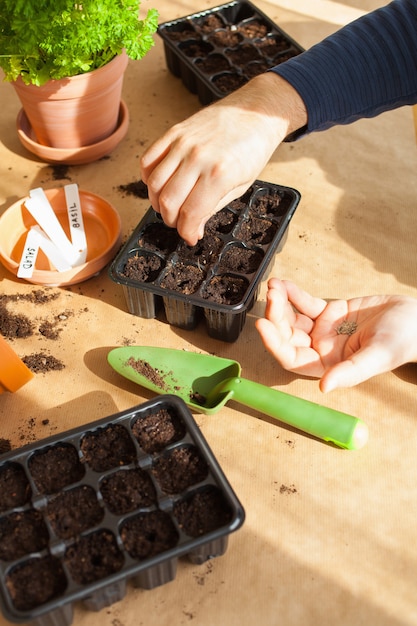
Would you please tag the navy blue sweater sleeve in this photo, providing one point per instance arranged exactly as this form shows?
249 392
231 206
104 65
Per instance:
365 68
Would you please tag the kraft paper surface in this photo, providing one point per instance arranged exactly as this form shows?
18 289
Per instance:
330 535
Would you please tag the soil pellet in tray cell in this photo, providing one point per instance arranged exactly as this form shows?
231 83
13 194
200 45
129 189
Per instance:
22 533
212 64
243 55
210 23
159 238
108 447
204 511
181 33
179 469
195 49
225 38
229 82
270 205
157 430
127 490
14 487
36 581
223 221
74 511
183 277
253 29
256 231
203 252
149 534
242 260
226 289
55 468
144 268
93 557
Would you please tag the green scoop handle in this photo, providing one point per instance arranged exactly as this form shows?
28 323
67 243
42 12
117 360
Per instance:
328 424
206 382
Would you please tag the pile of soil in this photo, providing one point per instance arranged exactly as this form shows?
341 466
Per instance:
156 431
156 378
137 188
180 468
108 447
149 534
55 468
41 362
71 512
127 490
203 512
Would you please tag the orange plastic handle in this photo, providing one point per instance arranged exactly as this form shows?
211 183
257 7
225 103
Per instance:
13 372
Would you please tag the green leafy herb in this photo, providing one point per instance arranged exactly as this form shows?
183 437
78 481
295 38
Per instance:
51 39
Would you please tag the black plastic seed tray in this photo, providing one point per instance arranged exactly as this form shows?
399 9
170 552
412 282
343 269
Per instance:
218 50
118 500
219 278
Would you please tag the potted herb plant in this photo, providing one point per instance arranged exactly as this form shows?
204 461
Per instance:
55 51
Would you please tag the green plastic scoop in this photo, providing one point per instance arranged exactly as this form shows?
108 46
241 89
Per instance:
206 383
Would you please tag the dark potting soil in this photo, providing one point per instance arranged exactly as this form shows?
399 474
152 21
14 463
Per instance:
35 582
255 68
179 469
71 512
22 533
42 362
257 231
203 512
212 64
149 534
136 188
242 260
159 238
254 29
153 375
157 430
210 22
127 490
14 487
55 468
183 277
226 289
270 205
223 221
144 268
271 46
93 557
5 445
228 82
182 33
107 448
195 49
225 38
243 55
203 252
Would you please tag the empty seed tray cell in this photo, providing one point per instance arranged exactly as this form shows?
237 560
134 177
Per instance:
219 278
117 501
216 51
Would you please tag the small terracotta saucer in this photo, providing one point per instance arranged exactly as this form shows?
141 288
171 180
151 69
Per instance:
72 156
102 225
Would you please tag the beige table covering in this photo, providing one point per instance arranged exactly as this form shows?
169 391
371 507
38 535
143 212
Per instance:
330 536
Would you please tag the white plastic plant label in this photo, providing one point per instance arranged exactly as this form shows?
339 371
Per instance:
76 223
36 239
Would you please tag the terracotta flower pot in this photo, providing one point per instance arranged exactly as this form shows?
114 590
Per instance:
77 111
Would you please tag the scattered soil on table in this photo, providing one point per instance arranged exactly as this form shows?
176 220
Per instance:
59 172
203 512
183 277
127 490
22 533
180 468
149 534
108 447
157 430
14 326
71 512
14 487
94 557
143 268
136 188
55 468
226 289
42 362
35 582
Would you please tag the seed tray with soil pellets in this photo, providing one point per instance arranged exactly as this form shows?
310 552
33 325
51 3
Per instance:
218 50
219 278
119 500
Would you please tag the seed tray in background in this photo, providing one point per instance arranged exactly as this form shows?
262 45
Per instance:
125 446
224 288
216 51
